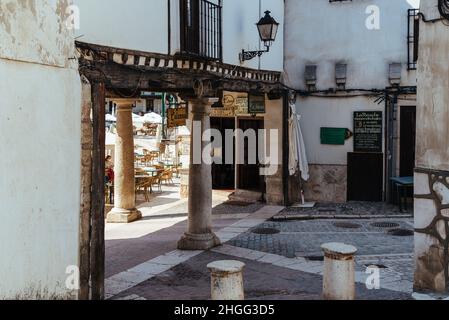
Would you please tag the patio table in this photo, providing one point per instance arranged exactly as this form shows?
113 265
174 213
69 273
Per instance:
402 184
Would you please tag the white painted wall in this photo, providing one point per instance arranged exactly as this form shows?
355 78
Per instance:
433 94
40 147
143 25
323 33
334 113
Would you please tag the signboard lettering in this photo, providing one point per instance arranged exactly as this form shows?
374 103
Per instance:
368 131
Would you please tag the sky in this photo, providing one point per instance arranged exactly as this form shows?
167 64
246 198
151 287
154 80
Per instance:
414 3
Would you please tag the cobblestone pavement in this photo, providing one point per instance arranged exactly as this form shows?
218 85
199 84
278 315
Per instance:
143 263
393 254
350 209
191 281
304 238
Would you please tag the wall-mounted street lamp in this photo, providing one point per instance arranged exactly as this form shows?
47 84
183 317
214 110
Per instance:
268 28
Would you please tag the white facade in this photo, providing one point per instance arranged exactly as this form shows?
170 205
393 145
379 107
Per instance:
143 25
432 160
40 147
324 34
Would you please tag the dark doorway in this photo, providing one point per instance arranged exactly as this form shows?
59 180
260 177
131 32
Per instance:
223 175
365 177
408 141
249 174
149 105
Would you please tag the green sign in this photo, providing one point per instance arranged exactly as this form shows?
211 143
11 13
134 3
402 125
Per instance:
335 136
256 104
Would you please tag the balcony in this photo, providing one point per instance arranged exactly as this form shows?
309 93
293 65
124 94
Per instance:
201 28
413 38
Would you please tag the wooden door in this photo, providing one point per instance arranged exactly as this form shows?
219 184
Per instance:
249 174
408 141
223 175
365 177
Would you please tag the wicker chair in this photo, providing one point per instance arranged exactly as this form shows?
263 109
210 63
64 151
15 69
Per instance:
142 187
166 177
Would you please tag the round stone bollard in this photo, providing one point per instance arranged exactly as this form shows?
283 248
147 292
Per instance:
227 280
339 271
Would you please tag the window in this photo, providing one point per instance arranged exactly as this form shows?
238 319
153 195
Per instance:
201 28
149 105
413 38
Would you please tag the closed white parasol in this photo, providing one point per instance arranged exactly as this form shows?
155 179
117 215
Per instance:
298 156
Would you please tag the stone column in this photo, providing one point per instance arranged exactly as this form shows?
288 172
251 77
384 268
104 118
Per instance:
199 235
124 185
339 271
227 280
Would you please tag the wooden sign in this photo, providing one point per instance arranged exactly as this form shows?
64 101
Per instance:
177 117
256 104
227 110
241 105
368 131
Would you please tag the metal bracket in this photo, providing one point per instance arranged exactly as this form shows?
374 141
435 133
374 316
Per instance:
249 55
443 7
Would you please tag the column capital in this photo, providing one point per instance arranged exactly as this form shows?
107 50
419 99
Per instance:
202 105
124 104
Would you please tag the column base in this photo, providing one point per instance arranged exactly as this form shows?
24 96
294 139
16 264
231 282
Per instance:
198 241
123 216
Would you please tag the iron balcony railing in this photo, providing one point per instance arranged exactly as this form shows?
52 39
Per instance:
201 28
413 38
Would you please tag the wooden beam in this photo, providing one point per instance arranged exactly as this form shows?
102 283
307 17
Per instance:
166 72
135 79
86 190
97 252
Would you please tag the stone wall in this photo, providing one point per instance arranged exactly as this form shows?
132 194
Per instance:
273 121
328 183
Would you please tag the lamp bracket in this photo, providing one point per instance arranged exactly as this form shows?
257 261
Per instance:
249 55
443 6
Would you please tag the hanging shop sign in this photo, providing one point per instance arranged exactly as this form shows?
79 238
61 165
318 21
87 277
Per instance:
177 117
368 129
228 107
241 104
256 104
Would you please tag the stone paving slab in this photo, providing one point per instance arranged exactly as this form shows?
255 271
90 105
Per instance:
149 267
191 281
141 258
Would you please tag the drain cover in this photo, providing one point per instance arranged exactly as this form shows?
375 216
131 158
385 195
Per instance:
385 225
401 233
266 231
347 225
379 266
